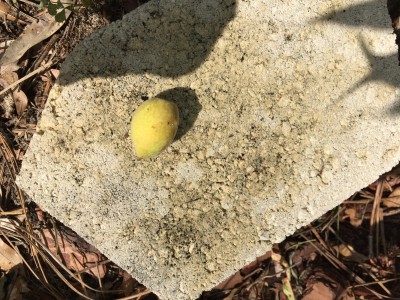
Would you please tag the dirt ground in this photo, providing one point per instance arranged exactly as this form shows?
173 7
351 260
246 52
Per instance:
351 252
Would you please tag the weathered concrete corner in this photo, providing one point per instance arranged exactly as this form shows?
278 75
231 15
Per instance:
288 107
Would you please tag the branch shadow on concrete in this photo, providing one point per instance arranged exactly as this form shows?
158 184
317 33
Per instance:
384 68
368 14
188 104
167 38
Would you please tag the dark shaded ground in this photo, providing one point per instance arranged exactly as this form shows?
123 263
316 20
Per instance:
394 12
352 252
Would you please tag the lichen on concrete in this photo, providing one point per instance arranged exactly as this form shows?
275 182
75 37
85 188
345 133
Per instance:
287 108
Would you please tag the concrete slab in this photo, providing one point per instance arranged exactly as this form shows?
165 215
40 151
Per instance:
287 108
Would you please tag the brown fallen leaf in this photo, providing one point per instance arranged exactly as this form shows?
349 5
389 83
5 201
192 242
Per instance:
393 200
13 67
4 9
305 253
346 295
50 75
350 254
21 101
4 45
129 284
75 252
8 257
6 12
72 250
326 283
8 77
7 103
320 291
355 216
19 97
33 34
55 73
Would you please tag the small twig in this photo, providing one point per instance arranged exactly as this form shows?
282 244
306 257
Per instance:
99 280
23 130
38 70
263 277
322 250
231 294
6 14
28 2
392 212
376 282
17 251
280 272
88 268
15 212
46 92
332 219
361 201
319 238
252 273
375 219
380 283
53 40
295 246
79 277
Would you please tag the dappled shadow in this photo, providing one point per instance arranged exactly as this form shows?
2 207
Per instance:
369 14
384 68
167 38
188 104
394 109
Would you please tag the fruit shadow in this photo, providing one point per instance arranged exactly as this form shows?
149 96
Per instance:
188 105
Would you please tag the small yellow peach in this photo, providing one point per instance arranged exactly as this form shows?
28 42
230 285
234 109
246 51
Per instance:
153 127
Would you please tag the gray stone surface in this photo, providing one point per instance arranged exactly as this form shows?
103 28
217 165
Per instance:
287 107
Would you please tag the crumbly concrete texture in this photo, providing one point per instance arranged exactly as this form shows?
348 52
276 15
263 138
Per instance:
287 108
